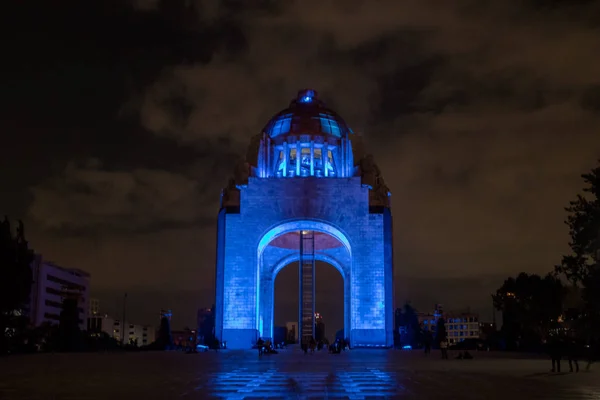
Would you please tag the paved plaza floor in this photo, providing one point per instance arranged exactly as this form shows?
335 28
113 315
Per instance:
355 374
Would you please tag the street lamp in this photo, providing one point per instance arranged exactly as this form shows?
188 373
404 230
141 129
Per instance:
124 317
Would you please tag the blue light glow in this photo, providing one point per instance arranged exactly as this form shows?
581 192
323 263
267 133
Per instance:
407 347
306 96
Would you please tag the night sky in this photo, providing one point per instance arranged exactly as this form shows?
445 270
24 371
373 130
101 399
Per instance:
122 120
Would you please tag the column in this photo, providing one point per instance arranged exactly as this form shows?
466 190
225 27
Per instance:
312 158
324 154
298 160
285 158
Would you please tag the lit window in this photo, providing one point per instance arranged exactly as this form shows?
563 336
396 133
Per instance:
280 163
305 159
318 153
335 129
325 126
330 164
281 125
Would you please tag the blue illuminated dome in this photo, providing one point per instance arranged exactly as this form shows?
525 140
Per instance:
307 115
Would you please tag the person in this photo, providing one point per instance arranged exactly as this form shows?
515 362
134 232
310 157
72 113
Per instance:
312 345
555 350
427 342
444 348
260 344
572 347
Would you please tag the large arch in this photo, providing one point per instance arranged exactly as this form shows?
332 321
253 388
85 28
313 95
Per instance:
286 261
302 224
266 274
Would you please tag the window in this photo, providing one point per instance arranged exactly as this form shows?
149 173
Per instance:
52 316
69 285
330 164
329 125
53 303
305 157
281 125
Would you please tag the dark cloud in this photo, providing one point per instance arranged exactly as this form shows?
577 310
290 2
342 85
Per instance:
91 198
482 115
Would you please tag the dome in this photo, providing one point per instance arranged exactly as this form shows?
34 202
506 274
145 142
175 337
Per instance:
307 115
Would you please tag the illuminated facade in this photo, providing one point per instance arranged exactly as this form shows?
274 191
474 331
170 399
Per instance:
50 286
305 191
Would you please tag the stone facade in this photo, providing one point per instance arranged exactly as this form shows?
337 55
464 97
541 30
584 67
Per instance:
351 205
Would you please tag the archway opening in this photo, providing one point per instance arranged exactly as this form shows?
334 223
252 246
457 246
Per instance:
329 303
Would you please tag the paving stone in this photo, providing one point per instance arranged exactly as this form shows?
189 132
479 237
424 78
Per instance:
357 374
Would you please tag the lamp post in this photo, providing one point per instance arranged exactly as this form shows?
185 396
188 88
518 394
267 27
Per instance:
124 317
493 313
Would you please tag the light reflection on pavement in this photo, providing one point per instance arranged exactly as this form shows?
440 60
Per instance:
357 374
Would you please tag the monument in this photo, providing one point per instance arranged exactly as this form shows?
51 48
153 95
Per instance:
306 191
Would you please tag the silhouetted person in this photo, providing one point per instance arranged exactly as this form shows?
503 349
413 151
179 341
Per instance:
347 344
591 353
573 353
555 351
427 342
444 349
467 356
260 344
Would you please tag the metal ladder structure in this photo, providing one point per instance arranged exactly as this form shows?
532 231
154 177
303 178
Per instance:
306 279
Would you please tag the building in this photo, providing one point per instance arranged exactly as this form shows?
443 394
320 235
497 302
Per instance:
205 325
97 324
307 190
94 307
186 338
140 335
428 321
51 285
461 326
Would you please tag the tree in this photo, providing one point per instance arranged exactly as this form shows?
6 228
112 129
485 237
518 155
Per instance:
15 285
408 322
164 341
530 306
582 265
441 334
584 229
69 333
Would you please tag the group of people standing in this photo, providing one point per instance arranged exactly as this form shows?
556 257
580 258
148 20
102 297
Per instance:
567 347
334 348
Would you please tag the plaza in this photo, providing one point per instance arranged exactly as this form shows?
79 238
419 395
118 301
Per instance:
236 374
